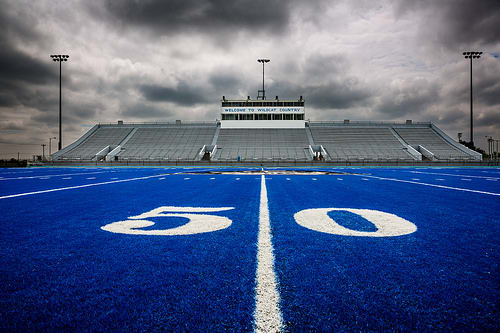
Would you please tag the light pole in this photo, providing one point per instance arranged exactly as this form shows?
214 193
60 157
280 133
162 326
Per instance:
60 58
50 144
471 55
43 151
263 61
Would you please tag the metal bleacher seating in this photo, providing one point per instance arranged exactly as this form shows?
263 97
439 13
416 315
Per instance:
431 141
167 143
262 144
357 143
342 141
102 137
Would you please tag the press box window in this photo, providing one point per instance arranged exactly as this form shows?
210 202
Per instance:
229 117
246 116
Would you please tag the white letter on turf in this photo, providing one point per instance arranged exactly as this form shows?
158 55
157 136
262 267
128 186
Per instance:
387 224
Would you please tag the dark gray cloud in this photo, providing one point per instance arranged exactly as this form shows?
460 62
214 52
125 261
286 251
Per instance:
487 84
455 23
20 72
489 119
324 80
342 56
329 95
73 112
205 16
145 111
16 66
225 83
11 126
184 94
407 98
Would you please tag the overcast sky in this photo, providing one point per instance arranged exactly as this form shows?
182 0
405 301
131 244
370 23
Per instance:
156 60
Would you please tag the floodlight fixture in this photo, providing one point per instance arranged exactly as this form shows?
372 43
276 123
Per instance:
60 58
471 55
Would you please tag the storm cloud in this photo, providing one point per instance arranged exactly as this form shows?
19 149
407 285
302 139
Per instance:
196 16
182 94
165 60
455 23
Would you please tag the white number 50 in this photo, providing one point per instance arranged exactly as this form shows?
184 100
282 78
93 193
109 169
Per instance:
387 224
197 223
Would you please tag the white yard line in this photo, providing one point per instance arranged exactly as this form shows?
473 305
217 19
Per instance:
79 186
60 175
452 175
433 185
267 317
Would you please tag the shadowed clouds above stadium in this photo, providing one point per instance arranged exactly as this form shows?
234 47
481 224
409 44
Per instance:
166 60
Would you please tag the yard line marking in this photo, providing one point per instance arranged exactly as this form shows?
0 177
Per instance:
79 186
45 176
448 174
267 316
434 185
465 179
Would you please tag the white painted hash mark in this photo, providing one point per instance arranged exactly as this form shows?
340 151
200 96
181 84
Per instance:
267 316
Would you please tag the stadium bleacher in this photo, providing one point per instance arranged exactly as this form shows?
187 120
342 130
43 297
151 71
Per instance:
372 143
433 142
339 141
103 137
262 144
167 143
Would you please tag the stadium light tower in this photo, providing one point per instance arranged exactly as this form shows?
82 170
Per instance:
471 55
60 58
263 61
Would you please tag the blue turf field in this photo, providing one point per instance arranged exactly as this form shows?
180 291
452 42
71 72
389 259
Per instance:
60 270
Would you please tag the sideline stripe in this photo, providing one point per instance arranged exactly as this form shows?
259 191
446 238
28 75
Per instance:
81 186
432 185
267 317
452 175
60 175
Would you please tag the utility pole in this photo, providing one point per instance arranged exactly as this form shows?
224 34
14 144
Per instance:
50 144
43 151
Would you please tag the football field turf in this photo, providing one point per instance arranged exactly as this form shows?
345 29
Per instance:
180 249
